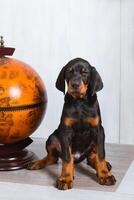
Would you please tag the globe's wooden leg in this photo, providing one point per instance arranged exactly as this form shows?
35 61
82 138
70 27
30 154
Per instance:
15 156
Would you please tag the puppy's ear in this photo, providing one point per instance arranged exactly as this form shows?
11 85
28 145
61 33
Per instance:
95 83
60 83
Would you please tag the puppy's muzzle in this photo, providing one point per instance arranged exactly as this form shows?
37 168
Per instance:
77 88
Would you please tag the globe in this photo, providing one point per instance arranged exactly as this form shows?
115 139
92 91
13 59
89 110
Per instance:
23 99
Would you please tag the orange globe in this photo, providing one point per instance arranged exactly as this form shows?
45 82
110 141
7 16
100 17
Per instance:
23 100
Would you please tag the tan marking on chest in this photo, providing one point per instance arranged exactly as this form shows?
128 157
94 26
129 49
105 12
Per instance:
69 122
94 121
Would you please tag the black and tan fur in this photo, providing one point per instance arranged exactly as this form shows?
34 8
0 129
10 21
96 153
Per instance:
80 133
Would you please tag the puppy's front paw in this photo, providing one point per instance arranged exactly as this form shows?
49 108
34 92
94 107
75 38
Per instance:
63 184
107 180
35 165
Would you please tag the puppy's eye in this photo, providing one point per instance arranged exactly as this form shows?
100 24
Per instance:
84 71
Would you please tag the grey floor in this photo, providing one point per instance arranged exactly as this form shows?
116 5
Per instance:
120 156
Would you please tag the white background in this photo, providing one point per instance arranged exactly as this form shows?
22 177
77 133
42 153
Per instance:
48 33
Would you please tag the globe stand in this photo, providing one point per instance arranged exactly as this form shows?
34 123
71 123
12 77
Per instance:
15 156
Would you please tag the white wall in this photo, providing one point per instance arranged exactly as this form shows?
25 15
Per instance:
127 72
48 33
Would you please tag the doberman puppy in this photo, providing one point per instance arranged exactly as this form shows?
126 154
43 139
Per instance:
80 133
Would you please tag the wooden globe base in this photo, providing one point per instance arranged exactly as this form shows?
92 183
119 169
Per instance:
15 156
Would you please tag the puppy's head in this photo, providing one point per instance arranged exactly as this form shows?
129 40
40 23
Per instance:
81 78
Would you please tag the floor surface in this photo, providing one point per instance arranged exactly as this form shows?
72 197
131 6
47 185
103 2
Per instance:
25 184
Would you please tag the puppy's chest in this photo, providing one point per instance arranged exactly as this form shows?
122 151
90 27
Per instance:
81 116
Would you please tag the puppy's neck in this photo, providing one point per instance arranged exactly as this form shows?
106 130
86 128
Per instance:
86 98
76 98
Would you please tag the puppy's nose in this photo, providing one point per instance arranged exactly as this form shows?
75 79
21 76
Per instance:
75 85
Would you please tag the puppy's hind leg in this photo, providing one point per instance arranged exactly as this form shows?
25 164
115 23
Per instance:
89 162
53 148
